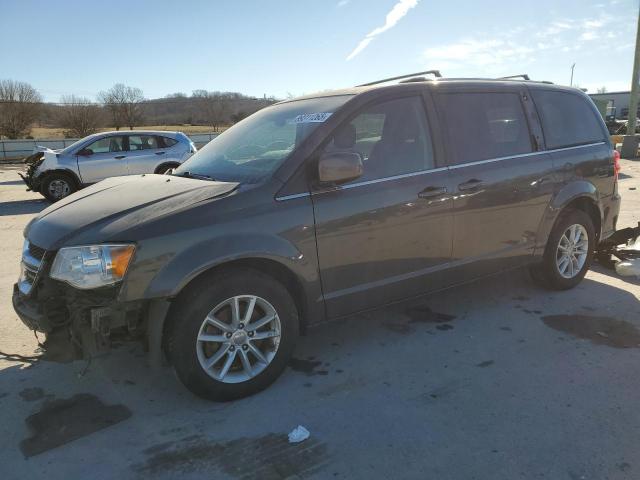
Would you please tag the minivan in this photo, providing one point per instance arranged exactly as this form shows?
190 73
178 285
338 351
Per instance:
321 207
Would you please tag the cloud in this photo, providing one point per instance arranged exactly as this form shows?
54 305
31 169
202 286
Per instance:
343 3
504 51
398 11
478 53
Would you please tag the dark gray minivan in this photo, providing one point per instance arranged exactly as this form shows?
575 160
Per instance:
321 207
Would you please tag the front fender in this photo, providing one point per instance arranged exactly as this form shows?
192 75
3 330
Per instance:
188 264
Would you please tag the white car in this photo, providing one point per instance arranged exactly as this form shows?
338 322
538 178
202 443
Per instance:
58 173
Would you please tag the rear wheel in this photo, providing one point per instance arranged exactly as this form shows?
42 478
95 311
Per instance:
165 167
232 335
55 186
569 252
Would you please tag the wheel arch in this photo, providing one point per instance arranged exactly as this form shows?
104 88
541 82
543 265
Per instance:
268 266
165 165
64 171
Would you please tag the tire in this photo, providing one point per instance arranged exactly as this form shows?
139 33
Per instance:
556 272
187 328
162 169
55 186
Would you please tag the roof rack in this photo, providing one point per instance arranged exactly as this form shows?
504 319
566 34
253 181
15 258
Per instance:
435 73
523 76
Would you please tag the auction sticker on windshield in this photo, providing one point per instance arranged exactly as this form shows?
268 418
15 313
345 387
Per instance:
312 117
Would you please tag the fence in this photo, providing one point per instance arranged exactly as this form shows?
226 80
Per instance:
17 149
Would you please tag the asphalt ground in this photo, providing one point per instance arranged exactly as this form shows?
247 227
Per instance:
494 380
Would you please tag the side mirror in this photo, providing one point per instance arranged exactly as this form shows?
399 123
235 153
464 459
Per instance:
340 167
85 152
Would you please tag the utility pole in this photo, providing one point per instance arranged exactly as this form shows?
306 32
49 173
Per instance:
630 141
572 67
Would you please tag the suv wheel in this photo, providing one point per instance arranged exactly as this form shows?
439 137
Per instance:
165 167
232 335
55 186
569 252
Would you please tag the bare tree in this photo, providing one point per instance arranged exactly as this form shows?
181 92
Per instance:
20 104
124 104
213 107
79 116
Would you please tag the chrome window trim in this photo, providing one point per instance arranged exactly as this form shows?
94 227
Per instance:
521 155
291 197
434 170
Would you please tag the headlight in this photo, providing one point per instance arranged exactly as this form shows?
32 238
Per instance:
92 266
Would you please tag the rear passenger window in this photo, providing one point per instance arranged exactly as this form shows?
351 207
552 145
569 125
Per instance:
142 142
166 142
567 119
482 126
391 137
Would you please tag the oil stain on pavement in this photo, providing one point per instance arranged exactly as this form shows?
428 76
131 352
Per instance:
266 457
421 314
599 330
308 367
65 420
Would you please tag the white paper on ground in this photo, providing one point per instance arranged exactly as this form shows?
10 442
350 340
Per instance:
298 434
628 268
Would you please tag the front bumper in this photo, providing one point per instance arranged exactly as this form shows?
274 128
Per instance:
30 312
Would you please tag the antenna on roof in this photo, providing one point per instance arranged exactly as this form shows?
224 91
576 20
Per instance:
435 73
523 76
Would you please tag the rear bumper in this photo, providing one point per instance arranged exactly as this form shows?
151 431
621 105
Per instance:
611 210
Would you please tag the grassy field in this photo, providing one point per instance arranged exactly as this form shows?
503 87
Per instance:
55 133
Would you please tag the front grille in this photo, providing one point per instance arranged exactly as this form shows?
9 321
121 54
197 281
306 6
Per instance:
32 260
36 251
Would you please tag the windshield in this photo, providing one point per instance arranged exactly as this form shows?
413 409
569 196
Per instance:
253 149
75 144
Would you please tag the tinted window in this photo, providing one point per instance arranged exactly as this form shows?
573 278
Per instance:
482 126
567 119
143 142
106 145
391 137
166 142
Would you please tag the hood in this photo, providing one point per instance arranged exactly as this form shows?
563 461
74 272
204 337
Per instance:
117 204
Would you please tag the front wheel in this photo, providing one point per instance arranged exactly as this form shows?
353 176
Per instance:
55 186
232 334
569 252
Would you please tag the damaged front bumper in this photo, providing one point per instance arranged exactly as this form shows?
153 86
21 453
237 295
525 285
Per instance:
29 176
90 319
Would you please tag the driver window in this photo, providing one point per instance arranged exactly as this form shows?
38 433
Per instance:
106 145
391 137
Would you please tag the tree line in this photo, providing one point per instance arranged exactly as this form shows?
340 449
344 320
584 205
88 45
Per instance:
122 106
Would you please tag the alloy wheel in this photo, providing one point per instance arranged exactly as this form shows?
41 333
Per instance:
572 251
238 339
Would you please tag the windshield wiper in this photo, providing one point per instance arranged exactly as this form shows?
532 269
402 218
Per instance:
197 176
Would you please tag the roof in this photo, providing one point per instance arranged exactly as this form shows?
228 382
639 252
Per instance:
136 132
433 83
606 94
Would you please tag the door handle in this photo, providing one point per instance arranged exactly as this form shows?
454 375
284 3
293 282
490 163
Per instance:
160 153
472 184
119 157
431 192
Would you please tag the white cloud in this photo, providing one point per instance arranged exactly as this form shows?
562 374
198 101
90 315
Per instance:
506 51
398 11
478 53
343 3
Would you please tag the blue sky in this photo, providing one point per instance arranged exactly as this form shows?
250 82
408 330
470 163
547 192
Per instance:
295 47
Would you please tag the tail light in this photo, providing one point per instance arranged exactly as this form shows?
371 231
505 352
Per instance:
616 164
